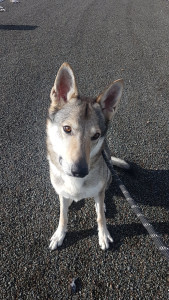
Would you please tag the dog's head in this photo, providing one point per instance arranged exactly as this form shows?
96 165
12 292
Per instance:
77 125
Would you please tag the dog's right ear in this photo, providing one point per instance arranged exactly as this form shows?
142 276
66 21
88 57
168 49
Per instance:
64 87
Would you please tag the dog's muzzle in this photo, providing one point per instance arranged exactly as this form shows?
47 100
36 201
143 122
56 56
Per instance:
78 169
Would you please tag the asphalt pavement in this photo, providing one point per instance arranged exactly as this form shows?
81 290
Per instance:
102 41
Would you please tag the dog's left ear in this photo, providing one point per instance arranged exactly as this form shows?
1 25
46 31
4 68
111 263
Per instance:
64 86
110 98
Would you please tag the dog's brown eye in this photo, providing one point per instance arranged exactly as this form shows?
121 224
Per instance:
96 136
67 129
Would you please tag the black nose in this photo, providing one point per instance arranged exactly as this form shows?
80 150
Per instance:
80 169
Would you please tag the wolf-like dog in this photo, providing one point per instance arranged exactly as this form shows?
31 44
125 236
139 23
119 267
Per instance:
76 129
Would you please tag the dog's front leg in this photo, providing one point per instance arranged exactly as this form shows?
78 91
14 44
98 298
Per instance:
58 237
104 235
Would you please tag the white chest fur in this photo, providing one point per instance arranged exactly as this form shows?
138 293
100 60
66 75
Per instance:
77 189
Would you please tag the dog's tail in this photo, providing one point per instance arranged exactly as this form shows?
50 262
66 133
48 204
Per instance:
120 163
116 161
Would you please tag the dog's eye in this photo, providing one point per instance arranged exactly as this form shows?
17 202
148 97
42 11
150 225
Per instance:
96 136
67 129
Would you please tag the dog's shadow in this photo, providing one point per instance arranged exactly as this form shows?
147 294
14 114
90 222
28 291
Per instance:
147 187
118 232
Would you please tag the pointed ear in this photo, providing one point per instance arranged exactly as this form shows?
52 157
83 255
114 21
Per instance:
110 98
64 86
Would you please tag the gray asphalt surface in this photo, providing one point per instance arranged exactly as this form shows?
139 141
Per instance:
103 41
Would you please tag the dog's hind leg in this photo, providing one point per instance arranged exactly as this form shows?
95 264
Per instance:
58 237
120 163
104 235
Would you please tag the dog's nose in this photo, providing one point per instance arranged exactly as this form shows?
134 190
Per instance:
80 169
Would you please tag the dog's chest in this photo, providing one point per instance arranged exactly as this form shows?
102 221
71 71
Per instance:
79 188
75 188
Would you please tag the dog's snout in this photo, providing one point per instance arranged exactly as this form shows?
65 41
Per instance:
80 169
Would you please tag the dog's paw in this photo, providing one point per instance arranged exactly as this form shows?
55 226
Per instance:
104 239
57 239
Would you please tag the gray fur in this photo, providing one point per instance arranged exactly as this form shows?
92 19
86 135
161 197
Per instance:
77 167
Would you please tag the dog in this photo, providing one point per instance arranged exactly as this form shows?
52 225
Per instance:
76 130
